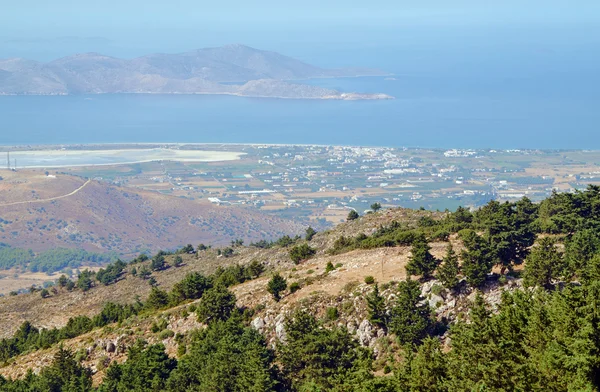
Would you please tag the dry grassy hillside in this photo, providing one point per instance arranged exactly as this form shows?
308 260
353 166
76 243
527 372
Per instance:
41 212
385 264
319 290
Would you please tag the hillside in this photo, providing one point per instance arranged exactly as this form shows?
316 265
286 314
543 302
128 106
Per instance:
204 71
503 298
42 212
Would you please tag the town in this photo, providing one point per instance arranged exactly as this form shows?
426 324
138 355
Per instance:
325 182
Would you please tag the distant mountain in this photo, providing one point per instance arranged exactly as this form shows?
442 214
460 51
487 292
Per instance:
204 71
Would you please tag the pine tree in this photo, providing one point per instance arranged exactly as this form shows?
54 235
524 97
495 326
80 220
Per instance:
543 264
352 215
310 233
217 304
449 270
477 258
158 263
428 368
377 308
410 318
276 285
157 299
421 261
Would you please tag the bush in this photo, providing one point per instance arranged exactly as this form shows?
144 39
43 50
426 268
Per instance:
369 279
294 287
45 293
177 261
167 333
329 267
332 314
301 252
352 215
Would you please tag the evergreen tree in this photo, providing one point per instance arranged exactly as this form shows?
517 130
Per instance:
226 357
410 318
352 215
157 299
316 356
375 207
84 281
255 269
543 264
147 369
477 258
62 281
421 261
581 248
217 304
192 286
276 285
65 374
177 261
448 272
158 262
377 309
310 233
428 368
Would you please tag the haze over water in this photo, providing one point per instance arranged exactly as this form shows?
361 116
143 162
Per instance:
470 75
427 112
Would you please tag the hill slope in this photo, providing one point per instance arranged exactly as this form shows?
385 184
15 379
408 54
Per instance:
41 213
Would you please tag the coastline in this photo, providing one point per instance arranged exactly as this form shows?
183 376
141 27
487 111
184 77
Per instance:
340 97
61 158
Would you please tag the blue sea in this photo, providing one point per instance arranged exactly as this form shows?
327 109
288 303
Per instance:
440 111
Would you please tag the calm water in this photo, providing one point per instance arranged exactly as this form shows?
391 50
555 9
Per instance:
446 111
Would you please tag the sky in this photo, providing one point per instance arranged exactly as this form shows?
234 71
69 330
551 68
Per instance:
332 31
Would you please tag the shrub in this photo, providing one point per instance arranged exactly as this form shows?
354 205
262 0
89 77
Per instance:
301 252
332 313
294 287
329 267
436 289
167 333
177 261
369 279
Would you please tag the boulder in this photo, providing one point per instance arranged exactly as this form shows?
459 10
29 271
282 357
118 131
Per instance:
280 332
110 347
258 324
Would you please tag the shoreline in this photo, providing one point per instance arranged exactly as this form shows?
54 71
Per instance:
65 158
99 146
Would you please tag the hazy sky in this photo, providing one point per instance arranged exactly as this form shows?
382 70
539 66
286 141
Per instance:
332 31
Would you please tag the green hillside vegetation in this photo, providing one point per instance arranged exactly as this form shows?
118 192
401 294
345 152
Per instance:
50 261
545 337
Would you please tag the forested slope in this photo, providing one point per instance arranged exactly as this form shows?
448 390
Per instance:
510 304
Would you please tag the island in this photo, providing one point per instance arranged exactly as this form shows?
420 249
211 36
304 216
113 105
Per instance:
231 70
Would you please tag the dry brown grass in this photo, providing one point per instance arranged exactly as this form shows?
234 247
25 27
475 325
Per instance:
108 218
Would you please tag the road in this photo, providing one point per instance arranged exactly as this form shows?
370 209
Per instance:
47 200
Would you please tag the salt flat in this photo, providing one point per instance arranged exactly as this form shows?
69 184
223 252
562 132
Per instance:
70 158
